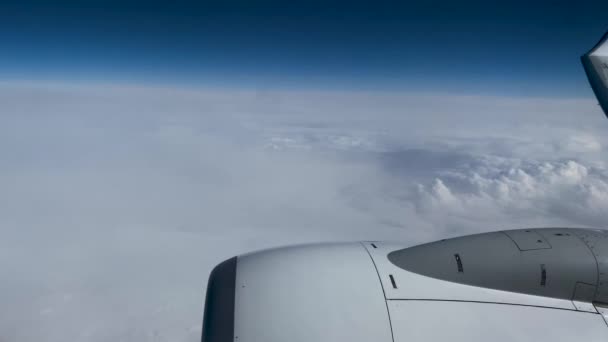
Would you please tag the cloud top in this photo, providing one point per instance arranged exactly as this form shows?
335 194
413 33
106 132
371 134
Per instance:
117 201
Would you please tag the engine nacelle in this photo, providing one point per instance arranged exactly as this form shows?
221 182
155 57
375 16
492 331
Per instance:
524 285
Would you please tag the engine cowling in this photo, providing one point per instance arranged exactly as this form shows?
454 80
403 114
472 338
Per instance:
526 285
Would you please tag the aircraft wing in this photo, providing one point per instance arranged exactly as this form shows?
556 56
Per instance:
595 63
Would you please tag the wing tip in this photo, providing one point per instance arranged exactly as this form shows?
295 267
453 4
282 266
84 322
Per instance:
596 69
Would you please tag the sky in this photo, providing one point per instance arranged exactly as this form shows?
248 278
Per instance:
516 47
142 144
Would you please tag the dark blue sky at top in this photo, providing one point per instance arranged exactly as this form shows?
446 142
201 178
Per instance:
511 47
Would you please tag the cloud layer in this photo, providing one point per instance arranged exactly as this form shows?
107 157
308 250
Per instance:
117 201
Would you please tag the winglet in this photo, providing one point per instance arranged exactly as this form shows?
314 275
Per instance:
595 63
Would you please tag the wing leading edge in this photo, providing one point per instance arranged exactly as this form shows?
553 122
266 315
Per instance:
595 63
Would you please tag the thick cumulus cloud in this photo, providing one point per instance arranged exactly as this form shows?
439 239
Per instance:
540 193
117 201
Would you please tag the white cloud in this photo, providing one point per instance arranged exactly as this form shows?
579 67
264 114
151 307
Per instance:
545 193
583 143
116 201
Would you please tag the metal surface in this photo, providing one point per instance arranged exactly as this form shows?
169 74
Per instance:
595 63
310 293
527 240
508 261
597 242
602 308
416 286
511 285
439 321
583 294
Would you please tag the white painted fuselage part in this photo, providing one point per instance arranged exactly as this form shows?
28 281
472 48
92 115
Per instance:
415 320
310 293
603 310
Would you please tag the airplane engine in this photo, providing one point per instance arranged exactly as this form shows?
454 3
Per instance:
520 285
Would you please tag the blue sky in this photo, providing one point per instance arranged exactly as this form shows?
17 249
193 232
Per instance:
513 48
